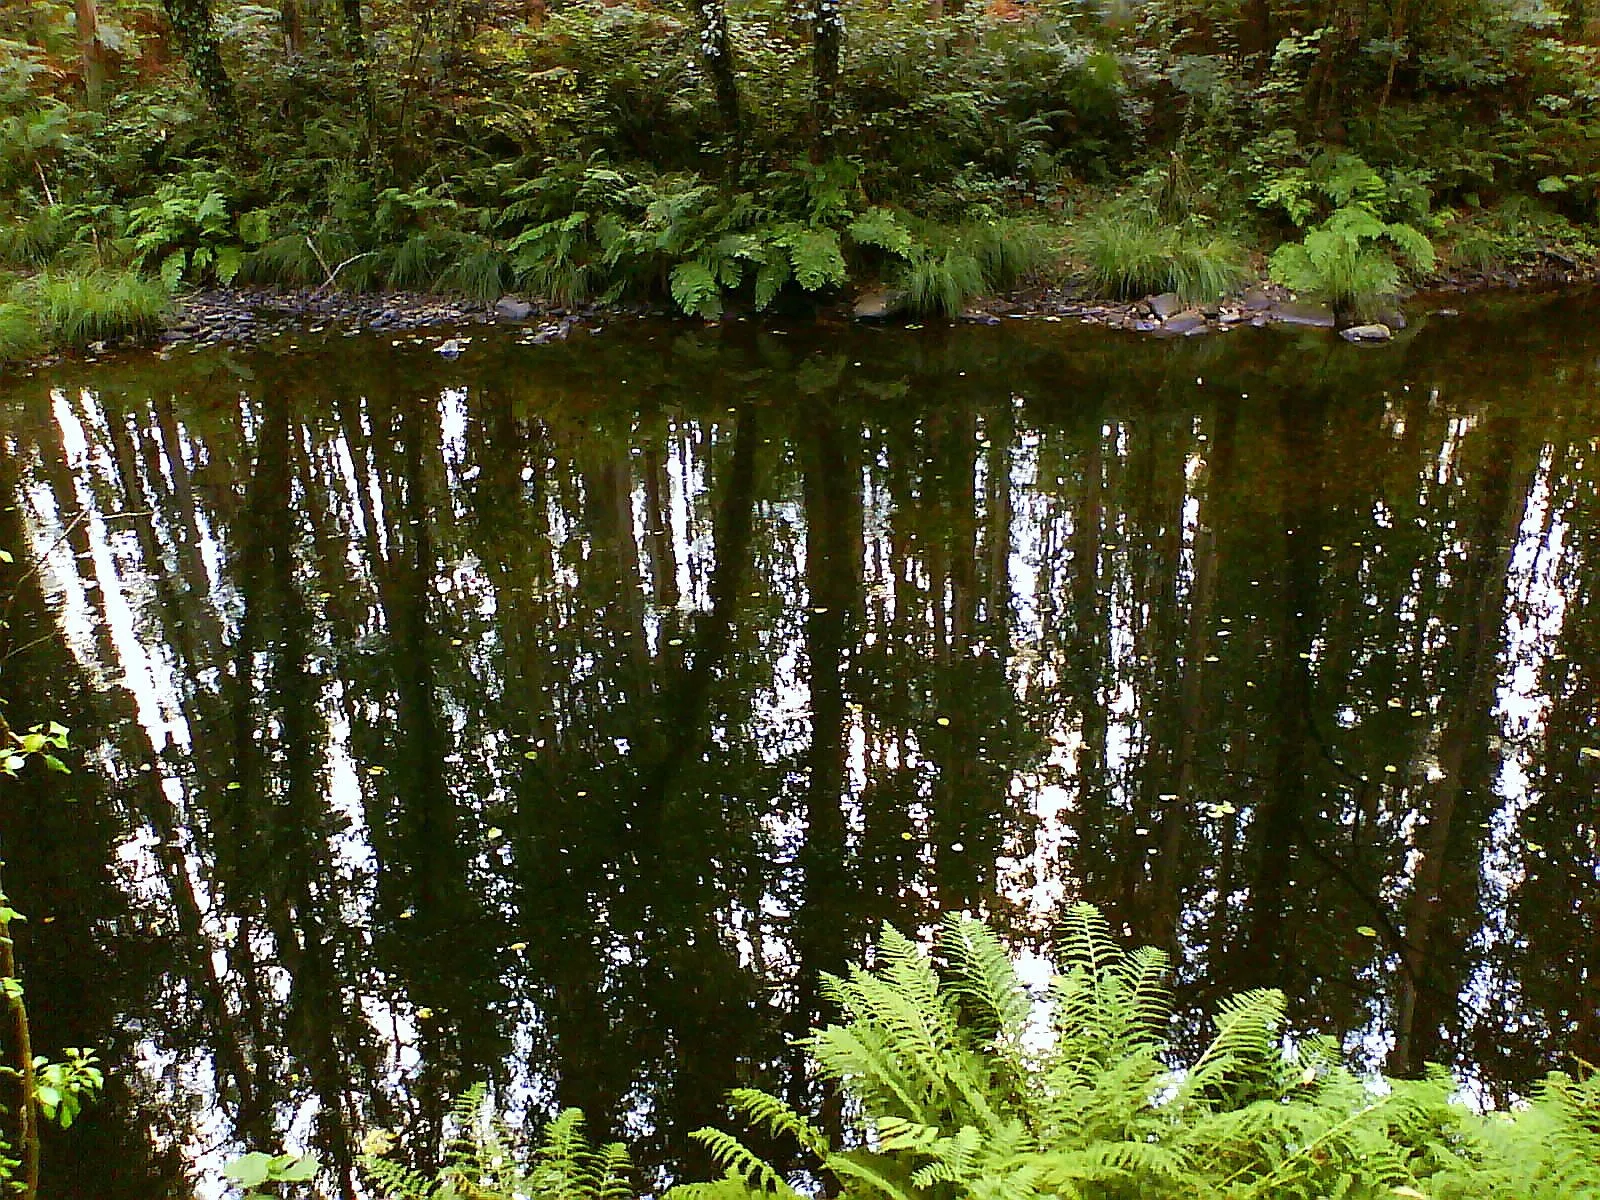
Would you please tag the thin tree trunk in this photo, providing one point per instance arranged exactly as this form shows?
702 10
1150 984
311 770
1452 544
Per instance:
191 24
827 43
93 53
716 52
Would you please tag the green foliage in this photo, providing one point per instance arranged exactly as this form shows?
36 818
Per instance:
75 309
1349 259
19 333
486 1158
188 232
261 1176
960 1081
61 1088
1129 255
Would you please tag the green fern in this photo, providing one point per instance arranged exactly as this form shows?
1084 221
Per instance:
488 1160
959 1082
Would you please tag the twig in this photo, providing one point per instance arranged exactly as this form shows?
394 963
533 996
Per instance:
332 272
50 197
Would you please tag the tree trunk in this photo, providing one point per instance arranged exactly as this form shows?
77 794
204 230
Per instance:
355 45
191 25
95 68
827 41
716 52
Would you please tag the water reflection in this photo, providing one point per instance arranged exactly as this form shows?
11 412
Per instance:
555 716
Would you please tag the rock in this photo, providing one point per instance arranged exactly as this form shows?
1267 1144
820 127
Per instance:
976 316
1300 312
1184 323
451 349
1393 318
1255 300
877 305
1367 333
1165 305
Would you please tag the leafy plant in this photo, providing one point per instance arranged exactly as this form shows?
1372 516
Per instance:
960 1081
62 1087
1349 260
186 235
486 1158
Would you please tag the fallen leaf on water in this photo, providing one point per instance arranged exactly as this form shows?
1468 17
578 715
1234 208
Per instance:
1366 931
1589 752
494 833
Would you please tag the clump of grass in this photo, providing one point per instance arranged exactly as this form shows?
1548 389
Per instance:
481 271
941 284
949 266
1130 255
76 309
288 260
34 240
19 333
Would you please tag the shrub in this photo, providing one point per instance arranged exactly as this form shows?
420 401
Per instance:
1347 260
74 310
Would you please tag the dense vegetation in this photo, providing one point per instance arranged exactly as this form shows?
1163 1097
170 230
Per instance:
756 152
958 1081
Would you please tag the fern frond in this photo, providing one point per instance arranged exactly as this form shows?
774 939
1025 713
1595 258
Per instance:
983 976
769 1112
729 1153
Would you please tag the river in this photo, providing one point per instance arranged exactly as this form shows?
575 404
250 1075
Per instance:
553 715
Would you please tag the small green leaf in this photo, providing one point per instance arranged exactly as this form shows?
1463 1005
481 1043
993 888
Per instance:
294 1168
251 1170
1366 931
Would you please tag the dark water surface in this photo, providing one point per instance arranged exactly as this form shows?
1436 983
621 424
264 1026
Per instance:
554 715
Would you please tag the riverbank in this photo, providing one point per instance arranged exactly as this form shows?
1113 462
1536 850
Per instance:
250 316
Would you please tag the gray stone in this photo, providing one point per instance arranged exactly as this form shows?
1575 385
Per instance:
976 316
1367 333
1393 318
512 308
1184 323
877 305
1301 312
1255 300
1165 305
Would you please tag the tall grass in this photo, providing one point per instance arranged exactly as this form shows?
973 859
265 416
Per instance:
73 310
1129 255
19 333
951 265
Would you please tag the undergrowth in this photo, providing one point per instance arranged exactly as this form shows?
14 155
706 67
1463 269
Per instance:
1129 255
960 1081
73 310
